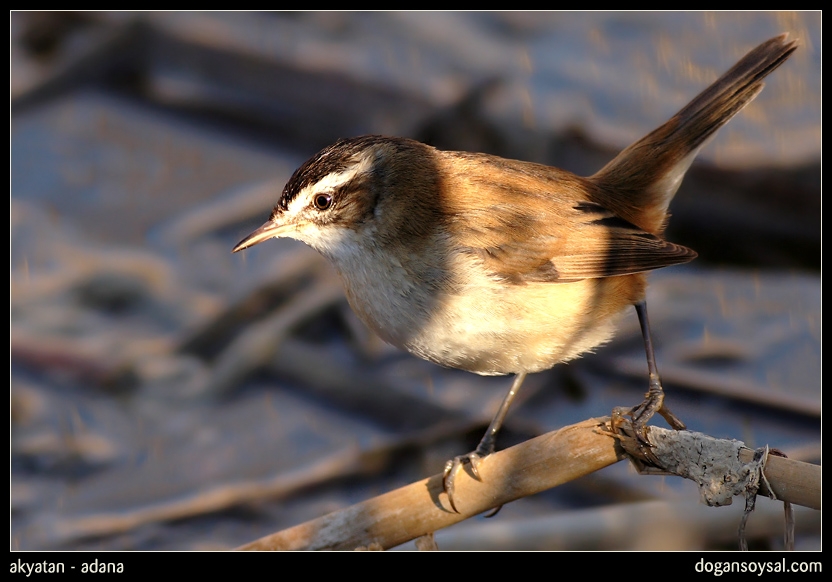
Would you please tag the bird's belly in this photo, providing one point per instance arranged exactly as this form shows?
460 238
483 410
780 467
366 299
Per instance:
505 329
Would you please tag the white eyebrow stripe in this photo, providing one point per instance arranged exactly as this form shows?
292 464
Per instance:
332 181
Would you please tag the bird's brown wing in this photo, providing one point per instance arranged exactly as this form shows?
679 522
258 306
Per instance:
534 223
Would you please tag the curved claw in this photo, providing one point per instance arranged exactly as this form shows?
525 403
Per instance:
653 403
453 466
642 413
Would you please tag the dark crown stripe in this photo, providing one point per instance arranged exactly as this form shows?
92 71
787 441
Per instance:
334 158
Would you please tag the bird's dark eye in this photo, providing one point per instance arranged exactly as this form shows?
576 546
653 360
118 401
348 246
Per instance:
322 201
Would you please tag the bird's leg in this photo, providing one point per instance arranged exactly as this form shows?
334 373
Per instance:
486 446
654 399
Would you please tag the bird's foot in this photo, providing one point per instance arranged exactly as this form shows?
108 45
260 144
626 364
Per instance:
642 413
453 466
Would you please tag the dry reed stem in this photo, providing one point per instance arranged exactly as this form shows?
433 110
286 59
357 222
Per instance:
549 460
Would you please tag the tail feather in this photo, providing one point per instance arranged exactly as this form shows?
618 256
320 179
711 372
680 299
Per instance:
641 181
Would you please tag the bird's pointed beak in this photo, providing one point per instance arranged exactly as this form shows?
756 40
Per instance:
265 232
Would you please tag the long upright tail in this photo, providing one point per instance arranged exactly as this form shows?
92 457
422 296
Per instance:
640 182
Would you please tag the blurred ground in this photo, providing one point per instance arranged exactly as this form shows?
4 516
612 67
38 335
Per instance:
168 395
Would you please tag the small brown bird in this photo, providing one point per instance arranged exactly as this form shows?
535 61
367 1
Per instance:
500 266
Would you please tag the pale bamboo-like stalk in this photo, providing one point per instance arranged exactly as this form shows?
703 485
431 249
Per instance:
538 464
